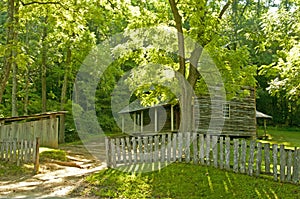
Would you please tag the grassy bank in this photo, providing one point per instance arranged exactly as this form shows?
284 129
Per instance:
180 180
288 136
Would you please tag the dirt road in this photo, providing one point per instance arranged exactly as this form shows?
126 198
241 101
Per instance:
54 180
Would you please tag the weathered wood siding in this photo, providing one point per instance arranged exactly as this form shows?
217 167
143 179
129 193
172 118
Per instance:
45 129
241 120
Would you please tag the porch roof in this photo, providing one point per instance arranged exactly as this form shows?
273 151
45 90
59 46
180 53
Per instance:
137 106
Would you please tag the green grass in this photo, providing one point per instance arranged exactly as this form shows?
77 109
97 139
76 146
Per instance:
290 137
180 180
11 169
54 154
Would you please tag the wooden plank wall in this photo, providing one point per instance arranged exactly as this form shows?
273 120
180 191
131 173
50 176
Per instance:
241 122
45 129
238 155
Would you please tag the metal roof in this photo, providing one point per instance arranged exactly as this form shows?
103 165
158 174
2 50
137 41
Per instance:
262 115
137 106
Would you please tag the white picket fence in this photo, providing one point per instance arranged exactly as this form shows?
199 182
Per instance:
239 155
23 151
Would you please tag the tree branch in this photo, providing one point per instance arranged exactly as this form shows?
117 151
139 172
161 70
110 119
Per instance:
180 36
194 60
224 9
43 3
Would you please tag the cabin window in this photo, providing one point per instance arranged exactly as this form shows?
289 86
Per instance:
226 110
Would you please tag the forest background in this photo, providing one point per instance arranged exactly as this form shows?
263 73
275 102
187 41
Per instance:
44 43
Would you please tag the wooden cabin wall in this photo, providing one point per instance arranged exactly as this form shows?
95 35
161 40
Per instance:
241 122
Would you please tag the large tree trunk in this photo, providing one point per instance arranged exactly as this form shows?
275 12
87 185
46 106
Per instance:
14 111
44 69
65 82
188 82
186 90
14 101
9 42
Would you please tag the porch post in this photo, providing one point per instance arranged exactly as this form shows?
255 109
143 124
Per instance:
172 117
142 121
123 124
155 120
134 122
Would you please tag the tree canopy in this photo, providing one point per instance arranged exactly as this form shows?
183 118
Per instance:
251 43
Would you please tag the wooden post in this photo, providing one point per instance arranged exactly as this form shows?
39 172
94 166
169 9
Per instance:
207 149
243 156
150 151
123 151
180 138
62 128
251 158
221 153
146 151
134 122
174 147
275 161
156 148
113 152
37 156
227 153
195 148
134 148
267 157
259 159
107 152
201 148
289 166
141 151
236 155
163 147
129 150
215 150
295 166
282 163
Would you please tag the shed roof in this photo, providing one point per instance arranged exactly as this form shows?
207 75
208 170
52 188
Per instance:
33 116
262 115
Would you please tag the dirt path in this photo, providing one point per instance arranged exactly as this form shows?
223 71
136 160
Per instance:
54 180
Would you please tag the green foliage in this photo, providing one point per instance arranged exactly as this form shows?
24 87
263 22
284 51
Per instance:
11 169
248 35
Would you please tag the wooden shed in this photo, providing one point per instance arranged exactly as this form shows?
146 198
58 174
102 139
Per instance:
49 127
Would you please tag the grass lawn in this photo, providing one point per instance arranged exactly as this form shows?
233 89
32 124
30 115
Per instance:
180 180
290 137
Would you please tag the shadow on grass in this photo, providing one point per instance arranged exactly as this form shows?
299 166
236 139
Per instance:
180 180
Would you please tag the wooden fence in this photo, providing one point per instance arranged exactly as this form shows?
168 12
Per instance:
24 151
239 155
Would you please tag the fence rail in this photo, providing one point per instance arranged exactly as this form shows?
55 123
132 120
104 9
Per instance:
23 151
239 155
